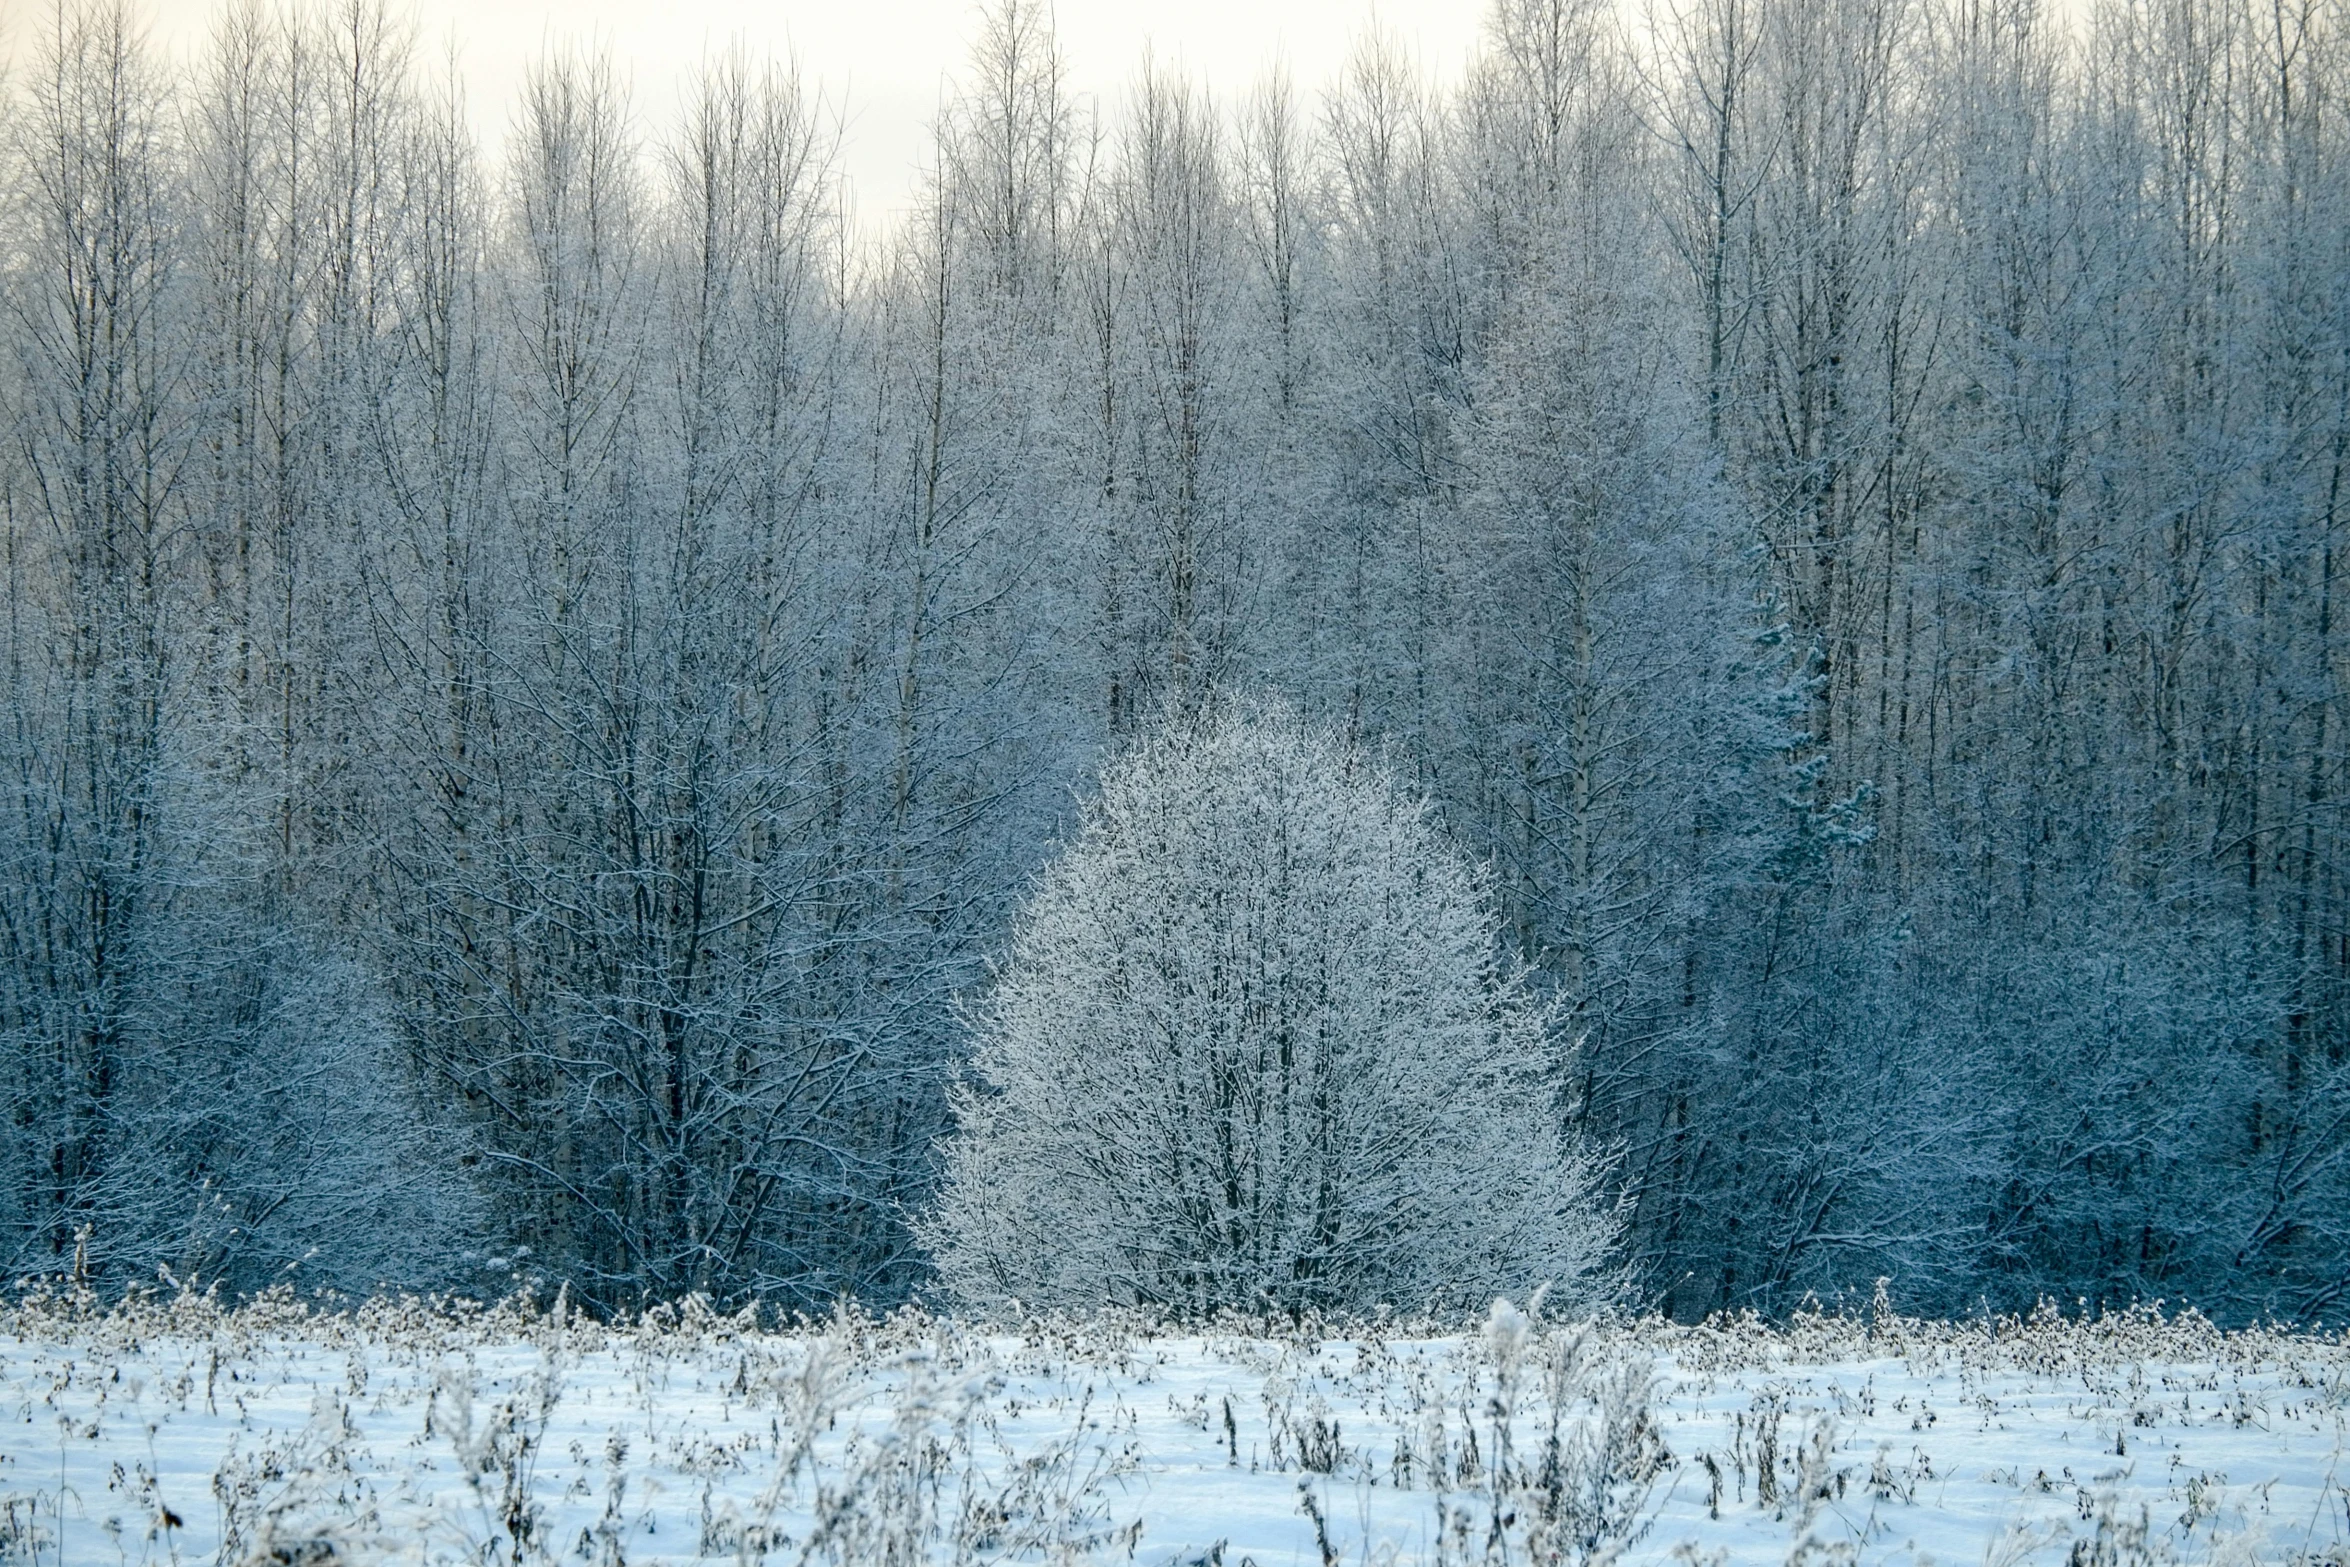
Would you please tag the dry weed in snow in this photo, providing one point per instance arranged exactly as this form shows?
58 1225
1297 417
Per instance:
177 1431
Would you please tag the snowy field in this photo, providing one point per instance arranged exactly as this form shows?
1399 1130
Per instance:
172 1432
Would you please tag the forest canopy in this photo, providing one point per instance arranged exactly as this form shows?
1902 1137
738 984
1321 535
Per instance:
532 687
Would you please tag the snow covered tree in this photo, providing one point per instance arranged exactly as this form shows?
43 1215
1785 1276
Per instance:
1255 1046
1841 503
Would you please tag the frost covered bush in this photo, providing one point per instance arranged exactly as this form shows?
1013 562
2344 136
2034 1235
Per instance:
1254 1048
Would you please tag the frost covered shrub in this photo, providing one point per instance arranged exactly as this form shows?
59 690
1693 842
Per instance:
1254 1047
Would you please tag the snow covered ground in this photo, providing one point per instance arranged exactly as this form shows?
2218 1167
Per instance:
175 1432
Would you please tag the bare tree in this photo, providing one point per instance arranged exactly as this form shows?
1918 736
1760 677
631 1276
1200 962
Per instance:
1255 1047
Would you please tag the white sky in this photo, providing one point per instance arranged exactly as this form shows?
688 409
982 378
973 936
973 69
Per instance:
885 59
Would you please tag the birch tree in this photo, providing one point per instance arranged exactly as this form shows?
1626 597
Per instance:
1255 1046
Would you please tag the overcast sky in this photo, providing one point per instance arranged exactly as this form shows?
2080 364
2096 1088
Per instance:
887 60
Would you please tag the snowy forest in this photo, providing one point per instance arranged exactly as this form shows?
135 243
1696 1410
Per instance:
536 688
